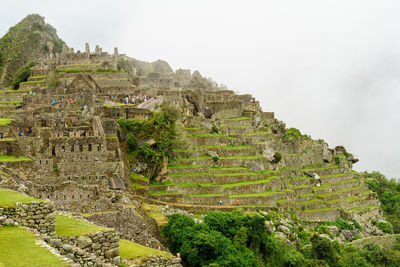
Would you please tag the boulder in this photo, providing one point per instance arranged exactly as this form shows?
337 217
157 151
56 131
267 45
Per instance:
67 247
326 236
257 120
353 158
326 154
333 230
84 241
284 230
111 253
269 153
125 200
207 125
349 234
212 154
281 236
255 167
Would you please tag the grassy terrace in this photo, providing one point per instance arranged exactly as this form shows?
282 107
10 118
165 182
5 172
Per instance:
12 158
228 168
9 198
367 208
68 226
258 133
5 121
17 91
33 82
10 102
320 210
262 194
18 248
338 192
153 211
130 251
321 167
236 119
327 185
185 166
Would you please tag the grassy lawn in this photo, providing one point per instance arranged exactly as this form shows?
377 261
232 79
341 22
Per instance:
251 182
12 158
262 194
18 248
153 211
237 119
130 250
5 121
74 227
8 198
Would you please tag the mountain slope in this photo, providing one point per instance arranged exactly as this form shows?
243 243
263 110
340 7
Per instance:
31 38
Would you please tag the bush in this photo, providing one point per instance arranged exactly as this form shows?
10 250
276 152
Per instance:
293 133
385 227
277 157
22 74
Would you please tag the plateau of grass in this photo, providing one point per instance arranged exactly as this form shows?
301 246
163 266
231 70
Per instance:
129 250
261 181
153 211
158 193
18 249
68 226
206 195
5 121
320 210
9 198
262 194
184 166
236 119
12 158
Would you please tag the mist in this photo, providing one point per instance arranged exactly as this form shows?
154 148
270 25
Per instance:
328 68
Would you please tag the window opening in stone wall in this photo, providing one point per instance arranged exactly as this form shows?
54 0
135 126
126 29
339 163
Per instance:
80 196
81 148
65 197
90 147
99 147
53 151
63 148
72 148
73 197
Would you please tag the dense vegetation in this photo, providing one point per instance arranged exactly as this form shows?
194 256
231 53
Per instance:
150 140
237 239
293 133
389 195
27 40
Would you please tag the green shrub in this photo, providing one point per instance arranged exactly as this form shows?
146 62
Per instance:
384 227
277 157
22 74
215 159
293 133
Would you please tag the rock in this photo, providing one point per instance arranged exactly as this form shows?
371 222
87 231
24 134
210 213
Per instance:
67 247
84 241
284 230
212 154
349 234
207 125
257 120
269 153
353 158
55 242
309 174
268 226
152 104
111 253
326 236
255 167
333 230
281 236
326 154
139 167
8 221
125 200
2 219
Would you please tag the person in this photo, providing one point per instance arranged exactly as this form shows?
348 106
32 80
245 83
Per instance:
53 101
220 202
69 100
237 202
19 132
27 132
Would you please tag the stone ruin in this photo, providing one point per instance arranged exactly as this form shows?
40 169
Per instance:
68 111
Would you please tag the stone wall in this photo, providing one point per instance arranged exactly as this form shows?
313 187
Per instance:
92 249
36 215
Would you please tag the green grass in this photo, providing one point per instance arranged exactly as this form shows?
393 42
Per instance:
321 168
320 210
292 154
158 193
205 195
224 147
243 157
119 105
367 208
312 201
184 166
262 194
237 119
10 102
18 91
327 185
189 174
338 192
39 77
18 249
228 168
33 82
5 121
12 158
68 226
129 250
153 211
111 137
261 181
135 176
9 198
354 198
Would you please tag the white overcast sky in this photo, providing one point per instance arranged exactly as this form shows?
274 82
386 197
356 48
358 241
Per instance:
329 68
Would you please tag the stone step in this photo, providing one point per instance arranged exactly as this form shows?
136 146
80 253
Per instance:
238 129
228 169
330 214
180 169
220 150
236 121
329 187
